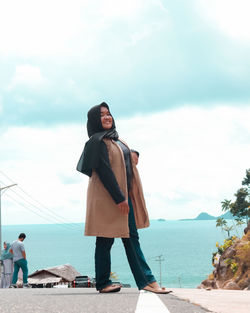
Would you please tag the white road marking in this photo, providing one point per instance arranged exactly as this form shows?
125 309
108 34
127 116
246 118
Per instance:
149 302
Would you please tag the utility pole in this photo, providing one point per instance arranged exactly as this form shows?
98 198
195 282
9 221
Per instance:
2 188
179 279
160 259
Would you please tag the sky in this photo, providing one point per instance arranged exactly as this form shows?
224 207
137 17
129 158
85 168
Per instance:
176 75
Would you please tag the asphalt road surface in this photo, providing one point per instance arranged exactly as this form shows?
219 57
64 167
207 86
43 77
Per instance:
128 300
87 300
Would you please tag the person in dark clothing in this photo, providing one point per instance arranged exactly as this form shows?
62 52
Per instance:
115 202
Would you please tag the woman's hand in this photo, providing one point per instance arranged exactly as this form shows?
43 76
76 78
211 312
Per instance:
123 206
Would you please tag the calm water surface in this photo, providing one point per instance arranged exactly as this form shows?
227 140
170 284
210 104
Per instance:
186 247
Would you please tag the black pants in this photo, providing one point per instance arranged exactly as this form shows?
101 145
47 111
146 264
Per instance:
139 267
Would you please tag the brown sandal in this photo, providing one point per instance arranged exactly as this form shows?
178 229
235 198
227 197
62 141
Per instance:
110 288
157 290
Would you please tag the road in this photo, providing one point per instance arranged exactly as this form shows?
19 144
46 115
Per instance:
129 300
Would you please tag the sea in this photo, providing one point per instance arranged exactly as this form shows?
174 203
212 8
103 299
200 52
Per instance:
179 253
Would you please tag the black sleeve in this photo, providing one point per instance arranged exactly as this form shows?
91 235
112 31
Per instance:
107 176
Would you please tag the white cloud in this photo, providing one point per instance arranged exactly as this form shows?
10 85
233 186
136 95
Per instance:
39 27
42 161
27 76
231 17
61 28
1 105
190 160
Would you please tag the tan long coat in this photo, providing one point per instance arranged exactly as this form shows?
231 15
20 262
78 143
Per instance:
103 217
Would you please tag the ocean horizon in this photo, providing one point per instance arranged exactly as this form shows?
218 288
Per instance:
185 248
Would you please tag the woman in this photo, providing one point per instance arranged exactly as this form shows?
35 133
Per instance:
7 266
115 202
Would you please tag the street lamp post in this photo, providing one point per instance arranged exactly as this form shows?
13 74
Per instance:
2 188
160 259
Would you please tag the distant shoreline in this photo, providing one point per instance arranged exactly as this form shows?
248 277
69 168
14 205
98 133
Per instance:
201 217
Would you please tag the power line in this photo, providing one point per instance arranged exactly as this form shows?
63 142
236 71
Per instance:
46 208
38 214
52 214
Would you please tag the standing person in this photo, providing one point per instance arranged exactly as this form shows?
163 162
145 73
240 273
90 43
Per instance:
7 266
115 202
19 258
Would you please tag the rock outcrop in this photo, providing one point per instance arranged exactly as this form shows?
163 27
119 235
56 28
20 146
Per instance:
247 228
232 268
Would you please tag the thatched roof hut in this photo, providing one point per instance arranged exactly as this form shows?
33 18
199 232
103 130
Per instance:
62 274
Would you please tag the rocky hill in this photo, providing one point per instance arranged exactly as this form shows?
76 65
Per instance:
232 265
205 216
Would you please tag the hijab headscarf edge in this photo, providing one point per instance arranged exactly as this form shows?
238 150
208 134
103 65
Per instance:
90 156
6 252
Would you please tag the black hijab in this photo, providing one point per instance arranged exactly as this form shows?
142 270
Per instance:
91 154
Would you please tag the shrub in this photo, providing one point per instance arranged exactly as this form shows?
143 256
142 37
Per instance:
227 243
233 265
243 253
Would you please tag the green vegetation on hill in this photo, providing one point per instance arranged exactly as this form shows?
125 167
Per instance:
240 208
231 264
232 259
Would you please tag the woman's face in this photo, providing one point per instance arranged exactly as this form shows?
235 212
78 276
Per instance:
4 246
106 118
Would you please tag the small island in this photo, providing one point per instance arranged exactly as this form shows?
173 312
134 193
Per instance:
203 216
